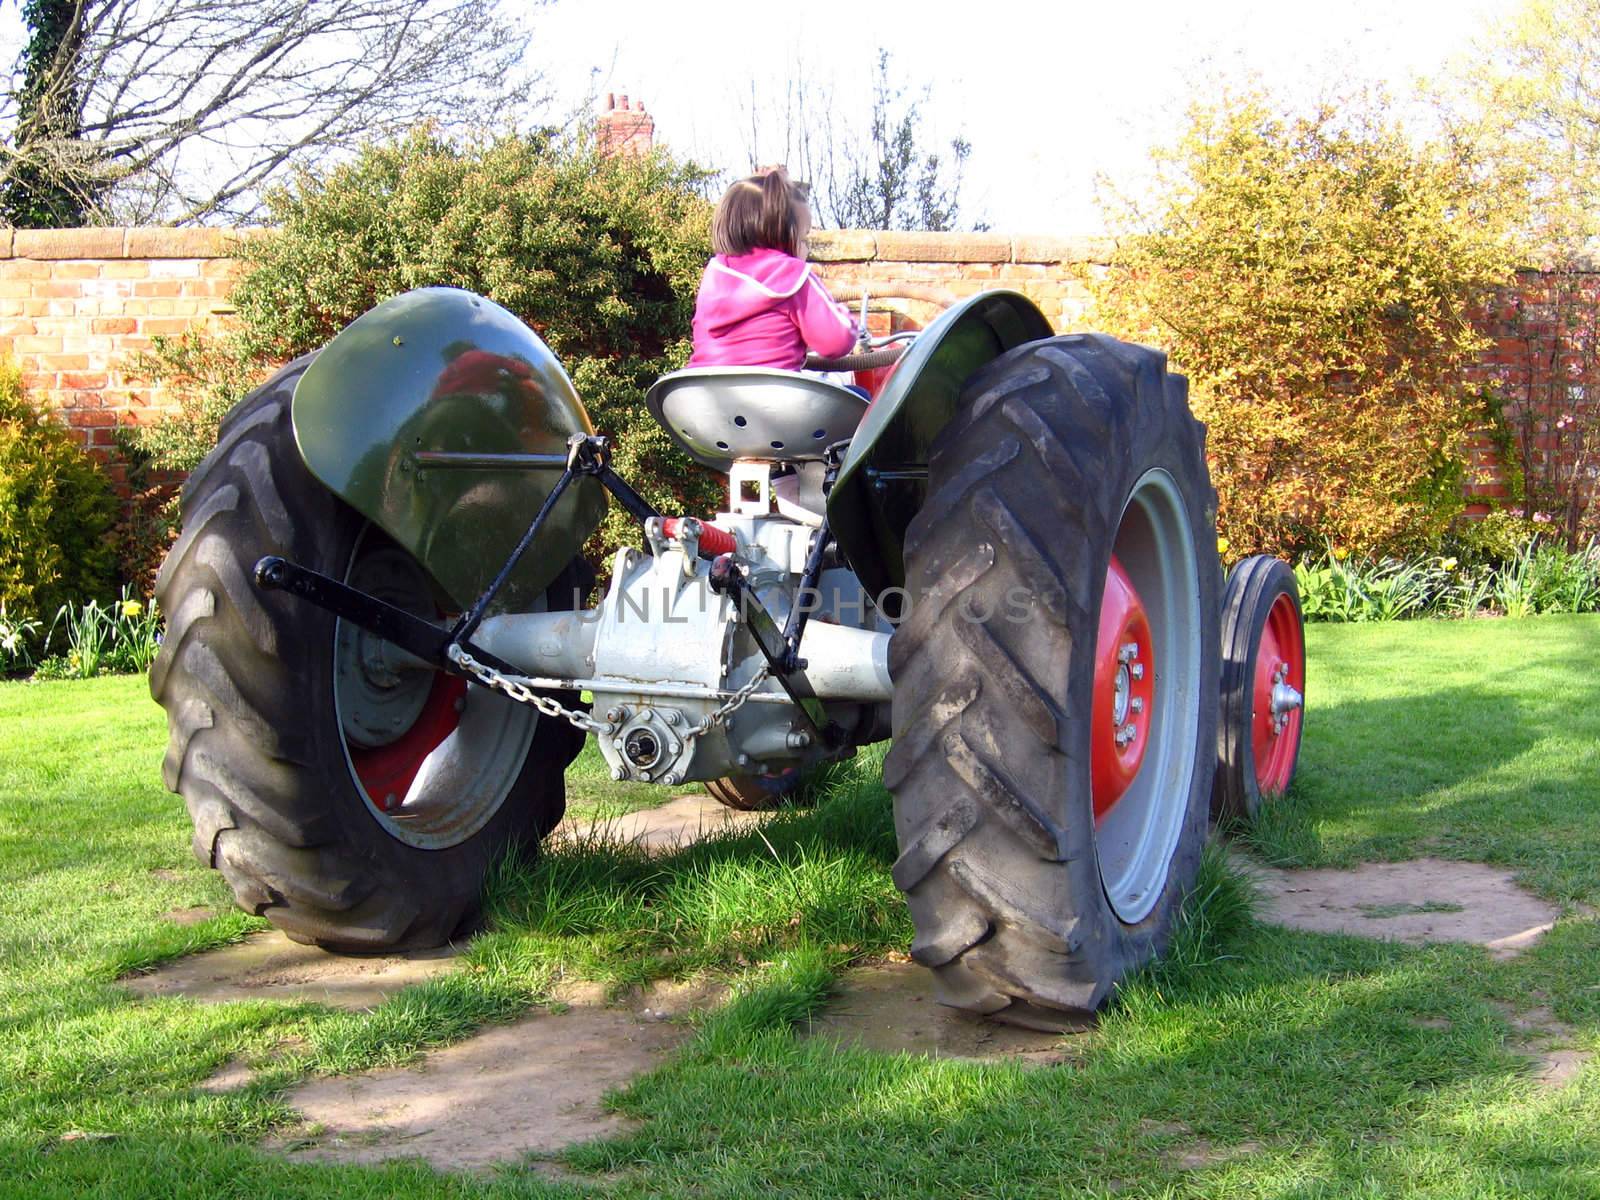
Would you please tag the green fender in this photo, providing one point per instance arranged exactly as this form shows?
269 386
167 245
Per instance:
883 481
442 370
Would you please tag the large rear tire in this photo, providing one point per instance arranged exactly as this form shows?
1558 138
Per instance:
299 764
1041 866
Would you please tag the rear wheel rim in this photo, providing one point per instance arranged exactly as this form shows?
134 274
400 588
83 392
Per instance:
1138 832
432 757
1275 717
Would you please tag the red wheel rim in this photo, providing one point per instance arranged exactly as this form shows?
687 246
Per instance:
1124 691
386 773
1275 731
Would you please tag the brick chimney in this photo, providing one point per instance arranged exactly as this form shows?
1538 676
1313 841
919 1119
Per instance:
624 129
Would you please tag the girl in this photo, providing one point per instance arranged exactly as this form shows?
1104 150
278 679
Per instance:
759 304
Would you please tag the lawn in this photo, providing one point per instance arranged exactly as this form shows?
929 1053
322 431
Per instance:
1310 1065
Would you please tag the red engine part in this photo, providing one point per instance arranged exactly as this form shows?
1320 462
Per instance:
713 541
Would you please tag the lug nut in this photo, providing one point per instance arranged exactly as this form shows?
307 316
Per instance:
1136 670
1136 704
1128 652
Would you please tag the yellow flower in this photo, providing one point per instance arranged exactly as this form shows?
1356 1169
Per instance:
1222 544
1340 553
1449 564
131 608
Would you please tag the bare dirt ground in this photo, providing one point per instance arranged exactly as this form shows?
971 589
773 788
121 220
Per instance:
528 1088
890 1008
679 821
268 966
1424 900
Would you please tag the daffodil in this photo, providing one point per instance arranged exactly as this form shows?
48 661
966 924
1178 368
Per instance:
131 608
1340 553
1222 544
1449 564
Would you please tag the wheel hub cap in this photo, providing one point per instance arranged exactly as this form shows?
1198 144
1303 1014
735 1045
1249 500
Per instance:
1124 690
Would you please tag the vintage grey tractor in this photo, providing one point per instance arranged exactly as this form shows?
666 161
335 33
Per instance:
381 654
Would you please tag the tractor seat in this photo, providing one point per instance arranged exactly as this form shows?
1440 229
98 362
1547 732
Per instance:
719 415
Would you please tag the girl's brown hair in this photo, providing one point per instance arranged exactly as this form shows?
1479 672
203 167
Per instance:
760 212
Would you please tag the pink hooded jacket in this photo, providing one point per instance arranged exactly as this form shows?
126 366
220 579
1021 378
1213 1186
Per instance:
765 309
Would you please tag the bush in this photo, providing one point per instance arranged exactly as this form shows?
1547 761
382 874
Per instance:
1314 274
56 512
599 255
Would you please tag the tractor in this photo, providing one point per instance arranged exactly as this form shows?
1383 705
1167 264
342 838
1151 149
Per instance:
382 655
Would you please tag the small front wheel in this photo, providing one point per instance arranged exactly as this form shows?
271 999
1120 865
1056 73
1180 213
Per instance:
1263 686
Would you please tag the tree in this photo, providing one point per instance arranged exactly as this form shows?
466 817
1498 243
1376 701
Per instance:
35 194
883 177
182 110
1315 275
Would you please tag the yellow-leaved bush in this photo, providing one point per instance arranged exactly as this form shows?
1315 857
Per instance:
1314 275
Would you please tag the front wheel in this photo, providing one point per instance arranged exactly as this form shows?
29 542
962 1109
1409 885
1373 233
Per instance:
354 801
1055 680
1263 686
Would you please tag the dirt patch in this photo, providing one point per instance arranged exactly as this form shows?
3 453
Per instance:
890 1008
1199 1154
1554 1060
1425 900
532 1087
189 916
268 966
668 827
165 874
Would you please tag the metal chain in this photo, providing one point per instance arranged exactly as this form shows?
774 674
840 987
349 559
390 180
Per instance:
735 702
519 689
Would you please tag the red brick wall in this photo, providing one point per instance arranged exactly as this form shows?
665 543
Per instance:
76 305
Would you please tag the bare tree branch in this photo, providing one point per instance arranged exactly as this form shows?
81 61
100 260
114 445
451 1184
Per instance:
187 109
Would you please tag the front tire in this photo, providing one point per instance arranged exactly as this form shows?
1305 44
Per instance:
301 804
1064 563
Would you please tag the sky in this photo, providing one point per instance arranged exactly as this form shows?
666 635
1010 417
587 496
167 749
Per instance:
1050 95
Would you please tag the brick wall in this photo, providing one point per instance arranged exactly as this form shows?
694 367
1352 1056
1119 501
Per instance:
76 306
1048 270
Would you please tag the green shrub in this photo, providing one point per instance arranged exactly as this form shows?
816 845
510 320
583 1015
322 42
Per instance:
600 256
1314 273
56 511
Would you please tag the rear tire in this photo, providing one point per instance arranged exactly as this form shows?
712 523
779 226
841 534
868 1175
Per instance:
256 746
1062 452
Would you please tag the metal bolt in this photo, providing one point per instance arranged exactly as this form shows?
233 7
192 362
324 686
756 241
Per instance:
616 743
1136 670
615 714
1125 735
670 716
619 773
645 714
1137 704
645 775
671 779
1128 652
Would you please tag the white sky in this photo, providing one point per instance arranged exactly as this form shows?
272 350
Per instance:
1049 94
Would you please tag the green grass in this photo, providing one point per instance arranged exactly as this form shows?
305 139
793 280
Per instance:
1311 1065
